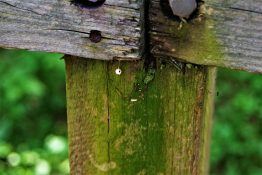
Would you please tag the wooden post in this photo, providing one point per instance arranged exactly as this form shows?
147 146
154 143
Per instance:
138 122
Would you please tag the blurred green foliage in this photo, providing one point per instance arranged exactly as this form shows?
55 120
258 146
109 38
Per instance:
32 114
237 130
33 118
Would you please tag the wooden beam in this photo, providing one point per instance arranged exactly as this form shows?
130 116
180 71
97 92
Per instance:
138 122
228 35
61 26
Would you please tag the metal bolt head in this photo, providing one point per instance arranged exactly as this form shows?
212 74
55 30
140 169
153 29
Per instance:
183 8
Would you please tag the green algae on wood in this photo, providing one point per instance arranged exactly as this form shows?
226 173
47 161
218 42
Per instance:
195 42
208 112
226 34
119 125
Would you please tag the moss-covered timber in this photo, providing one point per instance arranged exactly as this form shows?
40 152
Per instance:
138 123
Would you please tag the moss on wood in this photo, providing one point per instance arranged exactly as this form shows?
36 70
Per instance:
124 125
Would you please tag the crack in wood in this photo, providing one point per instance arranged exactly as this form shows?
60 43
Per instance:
28 10
245 10
219 6
88 33
69 30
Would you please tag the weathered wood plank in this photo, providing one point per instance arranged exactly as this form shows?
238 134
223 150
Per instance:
127 125
228 35
60 26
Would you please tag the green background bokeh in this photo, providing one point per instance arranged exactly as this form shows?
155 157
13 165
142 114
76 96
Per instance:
33 133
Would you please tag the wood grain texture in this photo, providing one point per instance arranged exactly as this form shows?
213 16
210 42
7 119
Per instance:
125 125
60 26
228 35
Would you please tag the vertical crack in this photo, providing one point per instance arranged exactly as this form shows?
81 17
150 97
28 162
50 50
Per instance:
149 59
107 91
108 111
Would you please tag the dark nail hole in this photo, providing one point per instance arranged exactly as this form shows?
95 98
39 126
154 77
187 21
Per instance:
167 11
90 4
95 36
